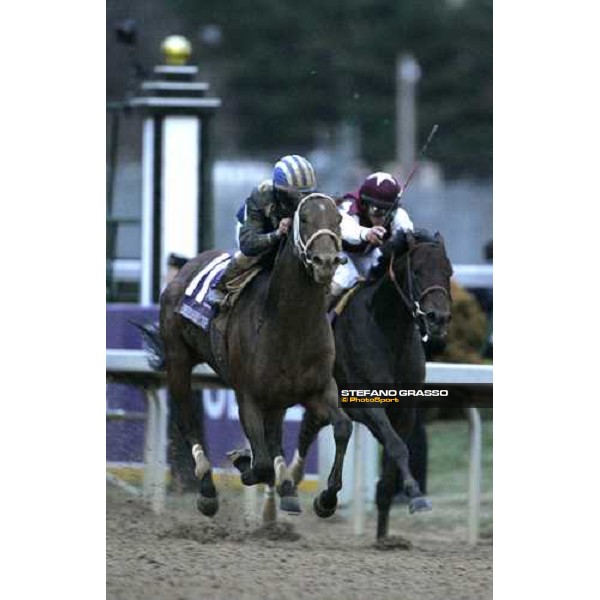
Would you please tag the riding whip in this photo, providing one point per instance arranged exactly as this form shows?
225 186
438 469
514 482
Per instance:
390 213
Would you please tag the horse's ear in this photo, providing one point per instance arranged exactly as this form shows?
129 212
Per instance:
437 236
410 239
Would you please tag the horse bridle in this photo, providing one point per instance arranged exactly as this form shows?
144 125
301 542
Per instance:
303 247
413 304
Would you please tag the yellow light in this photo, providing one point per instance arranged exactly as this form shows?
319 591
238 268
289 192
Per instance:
176 50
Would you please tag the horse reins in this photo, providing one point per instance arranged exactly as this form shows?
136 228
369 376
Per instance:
414 304
303 247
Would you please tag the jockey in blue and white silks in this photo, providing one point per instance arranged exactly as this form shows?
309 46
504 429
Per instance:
266 215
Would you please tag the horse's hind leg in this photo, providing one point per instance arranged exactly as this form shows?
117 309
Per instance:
179 379
385 491
326 502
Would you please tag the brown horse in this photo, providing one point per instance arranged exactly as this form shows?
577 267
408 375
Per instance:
280 352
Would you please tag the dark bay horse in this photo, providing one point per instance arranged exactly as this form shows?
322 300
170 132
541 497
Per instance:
378 340
280 352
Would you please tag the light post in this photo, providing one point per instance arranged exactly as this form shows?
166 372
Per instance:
408 74
177 205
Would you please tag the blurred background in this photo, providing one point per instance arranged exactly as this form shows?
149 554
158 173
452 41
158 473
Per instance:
354 85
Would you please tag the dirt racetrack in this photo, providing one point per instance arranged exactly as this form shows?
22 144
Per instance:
182 555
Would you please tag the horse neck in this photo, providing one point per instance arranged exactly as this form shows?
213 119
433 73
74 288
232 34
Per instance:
391 314
293 298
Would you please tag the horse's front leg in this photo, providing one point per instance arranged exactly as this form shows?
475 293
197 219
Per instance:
179 381
259 468
326 407
309 429
378 422
284 485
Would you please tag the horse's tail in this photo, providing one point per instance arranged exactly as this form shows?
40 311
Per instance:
152 344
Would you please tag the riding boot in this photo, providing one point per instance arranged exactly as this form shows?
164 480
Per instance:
233 280
218 294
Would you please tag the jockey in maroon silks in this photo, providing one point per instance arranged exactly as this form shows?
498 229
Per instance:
363 214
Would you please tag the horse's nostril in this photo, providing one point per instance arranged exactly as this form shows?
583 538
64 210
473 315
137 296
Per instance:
437 318
443 319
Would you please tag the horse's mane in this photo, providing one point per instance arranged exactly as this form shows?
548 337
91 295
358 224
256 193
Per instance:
397 244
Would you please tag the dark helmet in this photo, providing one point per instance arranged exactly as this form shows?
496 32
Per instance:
380 190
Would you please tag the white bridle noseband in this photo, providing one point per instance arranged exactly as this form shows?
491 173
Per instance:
303 247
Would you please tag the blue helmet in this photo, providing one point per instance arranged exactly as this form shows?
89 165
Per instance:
294 173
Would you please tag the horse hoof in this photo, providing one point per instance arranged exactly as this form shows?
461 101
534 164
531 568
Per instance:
420 504
208 506
290 504
322 511
240 459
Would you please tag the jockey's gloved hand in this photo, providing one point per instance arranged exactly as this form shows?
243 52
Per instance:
284 226
375 235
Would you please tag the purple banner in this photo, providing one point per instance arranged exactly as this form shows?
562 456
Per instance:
125 439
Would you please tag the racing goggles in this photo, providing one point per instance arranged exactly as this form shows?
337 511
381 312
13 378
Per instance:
376 211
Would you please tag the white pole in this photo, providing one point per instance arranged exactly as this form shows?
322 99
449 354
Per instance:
408 74
325 456
147 261
150 444
180 188
358 505
155 452
474 473
162 440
